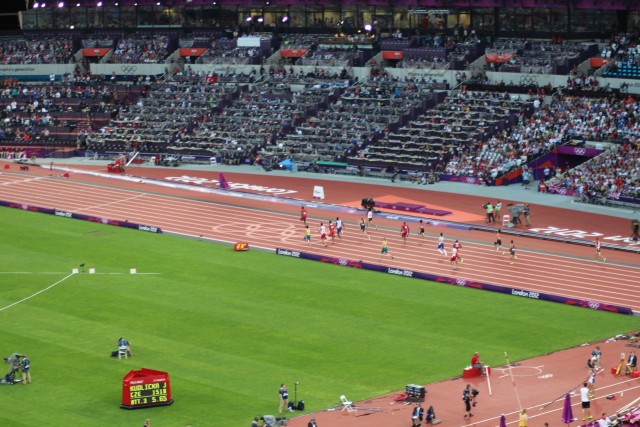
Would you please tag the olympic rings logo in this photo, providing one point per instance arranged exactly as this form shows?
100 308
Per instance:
470 180
461 282
343 261
25 207
128 69
104 220
580 151
561 191
594 305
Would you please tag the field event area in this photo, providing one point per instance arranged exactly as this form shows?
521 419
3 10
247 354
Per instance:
229 327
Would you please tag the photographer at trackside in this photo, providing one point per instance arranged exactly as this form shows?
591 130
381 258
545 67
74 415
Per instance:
14 366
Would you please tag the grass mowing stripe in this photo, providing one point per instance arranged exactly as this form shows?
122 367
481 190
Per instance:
230 327
37 293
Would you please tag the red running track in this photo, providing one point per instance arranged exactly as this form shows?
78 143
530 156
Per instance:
542 266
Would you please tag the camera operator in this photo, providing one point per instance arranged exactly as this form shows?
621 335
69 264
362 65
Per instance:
14 366
14 362
634 230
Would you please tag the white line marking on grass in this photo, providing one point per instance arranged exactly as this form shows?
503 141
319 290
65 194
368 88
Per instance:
137 274
32 272
116 273
37 293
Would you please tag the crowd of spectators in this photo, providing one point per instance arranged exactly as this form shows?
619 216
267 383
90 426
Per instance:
23 51
318 77
141 48
55 113
565 117
266 113
101 40
330 57
222 54
538 57
452 126
332 116
612 174
436 52
300 41
623 47
358 116
488 156
228 75
622 56
171 114
434 63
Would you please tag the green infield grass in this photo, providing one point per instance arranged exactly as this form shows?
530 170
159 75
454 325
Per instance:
230 327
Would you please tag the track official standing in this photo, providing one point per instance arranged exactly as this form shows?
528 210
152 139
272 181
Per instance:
586 402
466 398
417 415
284 397
633 360
596 354
26 369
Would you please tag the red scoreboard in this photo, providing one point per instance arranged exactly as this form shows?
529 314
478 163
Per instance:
145 388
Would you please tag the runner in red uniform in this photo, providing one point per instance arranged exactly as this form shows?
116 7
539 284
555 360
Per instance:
454 258
332 231
404 231
303 215
457 246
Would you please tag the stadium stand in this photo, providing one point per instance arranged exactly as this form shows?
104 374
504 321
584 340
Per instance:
310 106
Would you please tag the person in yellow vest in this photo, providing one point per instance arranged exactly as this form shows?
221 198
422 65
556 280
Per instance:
523 418
490 209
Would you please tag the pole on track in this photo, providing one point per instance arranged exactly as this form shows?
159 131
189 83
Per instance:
563 395
487 372
513 381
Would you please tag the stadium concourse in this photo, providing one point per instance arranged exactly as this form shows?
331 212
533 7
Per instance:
146 192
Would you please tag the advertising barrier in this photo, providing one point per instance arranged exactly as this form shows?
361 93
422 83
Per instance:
460 178
91 218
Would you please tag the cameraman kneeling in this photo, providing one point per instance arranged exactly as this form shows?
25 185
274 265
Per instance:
14 366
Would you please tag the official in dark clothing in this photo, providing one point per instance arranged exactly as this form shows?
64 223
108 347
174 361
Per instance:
417 415
26 369
633 360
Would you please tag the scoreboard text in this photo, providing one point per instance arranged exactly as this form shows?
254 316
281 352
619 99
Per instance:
145 388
